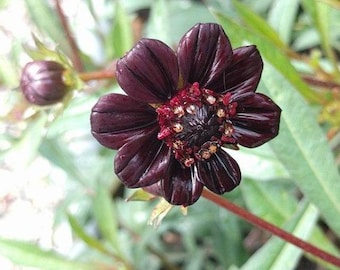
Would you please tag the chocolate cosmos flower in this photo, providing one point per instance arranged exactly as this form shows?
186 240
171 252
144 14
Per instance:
180 110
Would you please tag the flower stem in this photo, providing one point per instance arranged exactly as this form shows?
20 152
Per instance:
261 223
97 75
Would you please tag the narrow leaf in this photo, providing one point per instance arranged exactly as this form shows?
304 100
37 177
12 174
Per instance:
28 254
303 149
106 217
270 200
237 34
282 17
258 24
88 239
277 254
120 39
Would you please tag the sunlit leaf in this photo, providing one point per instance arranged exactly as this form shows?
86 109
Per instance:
140 195
28 254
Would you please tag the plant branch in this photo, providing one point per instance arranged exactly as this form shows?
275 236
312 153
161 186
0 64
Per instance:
261 223
78 64
311 80
97 75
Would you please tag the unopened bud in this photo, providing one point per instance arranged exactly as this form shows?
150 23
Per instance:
42 82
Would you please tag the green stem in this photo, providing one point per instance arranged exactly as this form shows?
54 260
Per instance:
261 223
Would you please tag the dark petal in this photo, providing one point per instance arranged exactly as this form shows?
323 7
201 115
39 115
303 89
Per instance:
155 189
180 185
143 161
148 72
242 74
116 118
203 53
220 173
256 121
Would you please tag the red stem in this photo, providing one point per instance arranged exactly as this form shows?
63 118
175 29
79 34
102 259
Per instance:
97 75
261 223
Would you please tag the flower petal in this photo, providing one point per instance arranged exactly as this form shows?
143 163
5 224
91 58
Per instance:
148 72
180 185
203 53
155 189
220 173
116 118
256 121
143 161
242 74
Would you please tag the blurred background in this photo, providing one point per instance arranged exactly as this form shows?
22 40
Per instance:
62 207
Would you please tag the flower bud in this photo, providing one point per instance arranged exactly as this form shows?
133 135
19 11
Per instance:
42 82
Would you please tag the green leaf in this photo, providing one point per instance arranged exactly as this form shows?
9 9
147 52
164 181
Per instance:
89 240
28 254
282 17
258 24
106 216
303 149
267 48
158 27
278 254
46 20
270 200
120 39
140 195
273 201
60 156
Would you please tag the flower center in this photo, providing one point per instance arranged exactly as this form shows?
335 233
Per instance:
196 123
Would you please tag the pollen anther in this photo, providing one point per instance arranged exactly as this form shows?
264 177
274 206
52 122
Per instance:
196 122
211 99
177 127
188 162
220 113
179 111
191 109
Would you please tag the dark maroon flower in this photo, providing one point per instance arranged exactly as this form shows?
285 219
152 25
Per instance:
42 82
180 110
